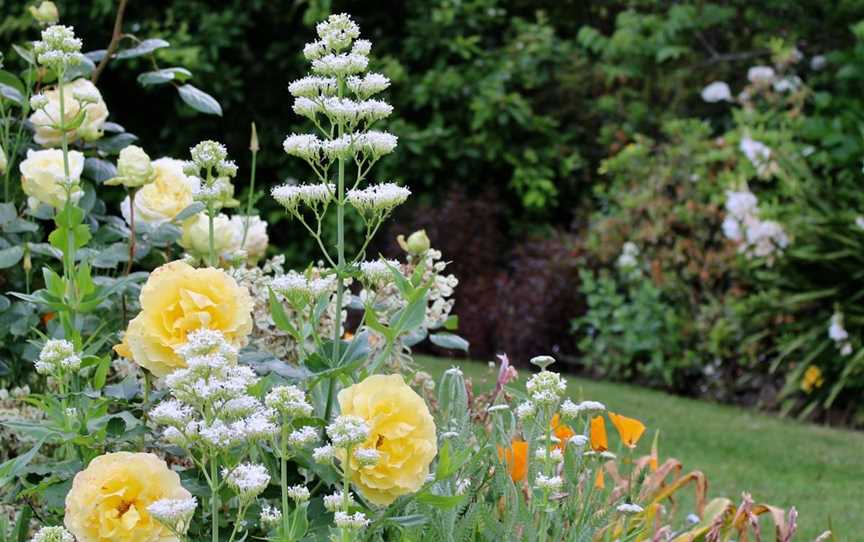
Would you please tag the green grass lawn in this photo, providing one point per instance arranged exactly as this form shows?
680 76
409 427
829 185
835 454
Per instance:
819 470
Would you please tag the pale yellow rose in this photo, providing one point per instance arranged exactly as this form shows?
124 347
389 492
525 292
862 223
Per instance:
196 235
401 429
109 499
42 175
44 119
177 299
160 201
134 168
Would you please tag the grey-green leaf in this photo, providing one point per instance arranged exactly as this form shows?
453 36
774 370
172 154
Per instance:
199 100
10 256
143 48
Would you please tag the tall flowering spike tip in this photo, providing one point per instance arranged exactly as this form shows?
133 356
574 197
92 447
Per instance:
338 31
253 140
58 47
208 154
542 361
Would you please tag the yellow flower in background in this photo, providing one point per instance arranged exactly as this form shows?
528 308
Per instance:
109 499
812 379
43 174
95 108
177 299
598 438
161 200
401 429
629 429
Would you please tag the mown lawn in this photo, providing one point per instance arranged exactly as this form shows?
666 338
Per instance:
819 470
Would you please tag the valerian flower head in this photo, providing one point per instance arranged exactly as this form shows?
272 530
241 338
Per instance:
549 483
378 198
526 410
298 493
313 87
335 501
345 520
629 508
289 401
347 431
38 101
57 356
338 31
174 513
302 437
311 195
208 154
58 48
248 479
367 457
52 534
270 516
304 146
367 85
173 413
323 455
379 271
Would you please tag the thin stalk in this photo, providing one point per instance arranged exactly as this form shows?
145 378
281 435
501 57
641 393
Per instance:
346 487
131 231
214 499
283 480
211 260
251 197
69 256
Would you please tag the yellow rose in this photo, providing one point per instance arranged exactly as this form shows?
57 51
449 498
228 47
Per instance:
160 201
42 175
109 499
196 235
97 113
177 299
401 429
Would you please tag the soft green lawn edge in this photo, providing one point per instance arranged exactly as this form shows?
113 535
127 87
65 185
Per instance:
819 470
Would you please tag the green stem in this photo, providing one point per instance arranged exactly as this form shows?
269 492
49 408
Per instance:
346 488
284 478
211 260
251 197
214 499
69 256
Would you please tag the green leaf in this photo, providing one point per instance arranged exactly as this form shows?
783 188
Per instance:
451 323
192 210
59 238
443 502
53 283
11 93
160 77
199 100
412 520
26 54
115 143
101 373
127 389
11 256
449 341
277 311
99 170
143 48
16 465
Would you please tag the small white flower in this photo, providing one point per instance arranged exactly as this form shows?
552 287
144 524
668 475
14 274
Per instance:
259 425
53 534
790 83
367 457
549 483
361 47
546 387
569 409
298 493
377 272
302 437
462 486
818 63
718 91
836 331
248 479
305 146
323 454
578 441
376 143
761 75
313 87
339 64
607 455
498 408
344 520
270 516
369 84
628 508
38 101
335 501
56 357
526 410
846 349
347 431
591 407
174 513
289 401
338 31
552 456
208 154
172 412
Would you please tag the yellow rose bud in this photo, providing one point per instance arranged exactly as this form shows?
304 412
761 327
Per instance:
177 299
109 499
46 14
161 200
43 173
44 119
134 168
400 428
196 235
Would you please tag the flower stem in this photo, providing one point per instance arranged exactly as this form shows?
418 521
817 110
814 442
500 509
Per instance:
211 239
131 231
346 488
251 197
214 499
283 482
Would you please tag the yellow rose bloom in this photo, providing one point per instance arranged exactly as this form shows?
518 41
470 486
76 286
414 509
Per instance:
42 175
44 119
109 499
400 428
177 299
160 201
196 235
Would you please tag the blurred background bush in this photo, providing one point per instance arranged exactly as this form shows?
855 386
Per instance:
541 138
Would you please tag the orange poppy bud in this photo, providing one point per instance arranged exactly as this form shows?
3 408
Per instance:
599 440
599 480
562 431
516 459
630 429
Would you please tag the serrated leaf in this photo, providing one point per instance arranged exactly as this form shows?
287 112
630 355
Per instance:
199 100
143 48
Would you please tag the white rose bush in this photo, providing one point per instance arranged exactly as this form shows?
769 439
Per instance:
183 384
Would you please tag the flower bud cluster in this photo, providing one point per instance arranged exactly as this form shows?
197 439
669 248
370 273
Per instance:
248 479
300 289
57 358
58 48
315 196
378 200
176 514
53 534
211 172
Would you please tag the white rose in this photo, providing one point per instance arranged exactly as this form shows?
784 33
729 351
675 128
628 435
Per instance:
42 177
256 237
90 129
134 168
196 235
160 201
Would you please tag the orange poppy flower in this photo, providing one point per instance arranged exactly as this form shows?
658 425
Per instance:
599 440
630 429
516 459
562 431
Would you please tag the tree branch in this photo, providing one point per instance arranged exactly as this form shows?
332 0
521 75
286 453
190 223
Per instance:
112 46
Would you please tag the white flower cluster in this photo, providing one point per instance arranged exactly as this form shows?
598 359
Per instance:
211 406
367 457
347 431
760 155
58 47
174 513
569 409
52 534
57 358
210 172
378 200
546 388
550 484
718 91
629 508
335 501
312 195
378 272
313 87
298 493
629 258
838 334
323 454
299 289
758 238
270 516
248 479
368 85
346 520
